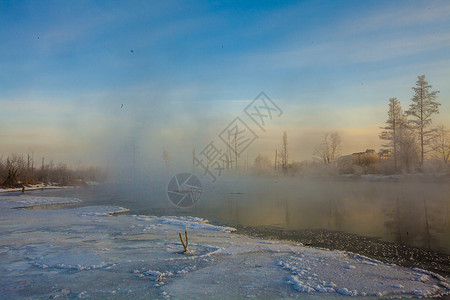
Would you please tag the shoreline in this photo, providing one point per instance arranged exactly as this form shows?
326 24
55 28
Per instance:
14 190
387 252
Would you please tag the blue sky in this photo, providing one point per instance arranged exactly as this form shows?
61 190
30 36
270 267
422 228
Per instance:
183 70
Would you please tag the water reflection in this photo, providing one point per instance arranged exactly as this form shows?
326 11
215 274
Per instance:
415 214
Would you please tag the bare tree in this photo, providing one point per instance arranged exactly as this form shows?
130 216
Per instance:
42 175
440 143
17 171
236 148
391 132
284 153
166 158
63 175
275 160
193 159
15 164
2 168
422 108
262 163
329 148
229 156
27 173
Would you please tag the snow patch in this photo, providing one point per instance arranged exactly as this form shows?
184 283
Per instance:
349 267
101 211
346 292
31 201
191 223
299 285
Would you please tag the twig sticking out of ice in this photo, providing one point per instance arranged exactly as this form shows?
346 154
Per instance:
185 245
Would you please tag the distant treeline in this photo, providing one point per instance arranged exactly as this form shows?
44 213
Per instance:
363 163
17 170
411 144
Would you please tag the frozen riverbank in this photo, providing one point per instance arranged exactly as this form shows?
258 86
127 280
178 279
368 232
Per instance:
86 252
35 187
388 252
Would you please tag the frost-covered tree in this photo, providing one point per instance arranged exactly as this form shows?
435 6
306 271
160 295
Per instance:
262 164
408 149
391 132
423 107
329 148
440 144
284 153
166 158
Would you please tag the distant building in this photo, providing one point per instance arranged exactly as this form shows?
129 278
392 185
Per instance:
364 158
384 154
356 157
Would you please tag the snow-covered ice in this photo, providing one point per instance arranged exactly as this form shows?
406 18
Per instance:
31 201
89 252
39 186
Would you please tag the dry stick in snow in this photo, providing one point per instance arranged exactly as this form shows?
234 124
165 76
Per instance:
185 246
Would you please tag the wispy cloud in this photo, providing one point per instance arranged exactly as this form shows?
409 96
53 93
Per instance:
391 16
390 31
351 51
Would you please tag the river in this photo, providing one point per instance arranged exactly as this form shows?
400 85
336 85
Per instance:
404 222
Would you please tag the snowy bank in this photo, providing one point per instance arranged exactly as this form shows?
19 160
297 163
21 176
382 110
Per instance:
33 187
88 252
